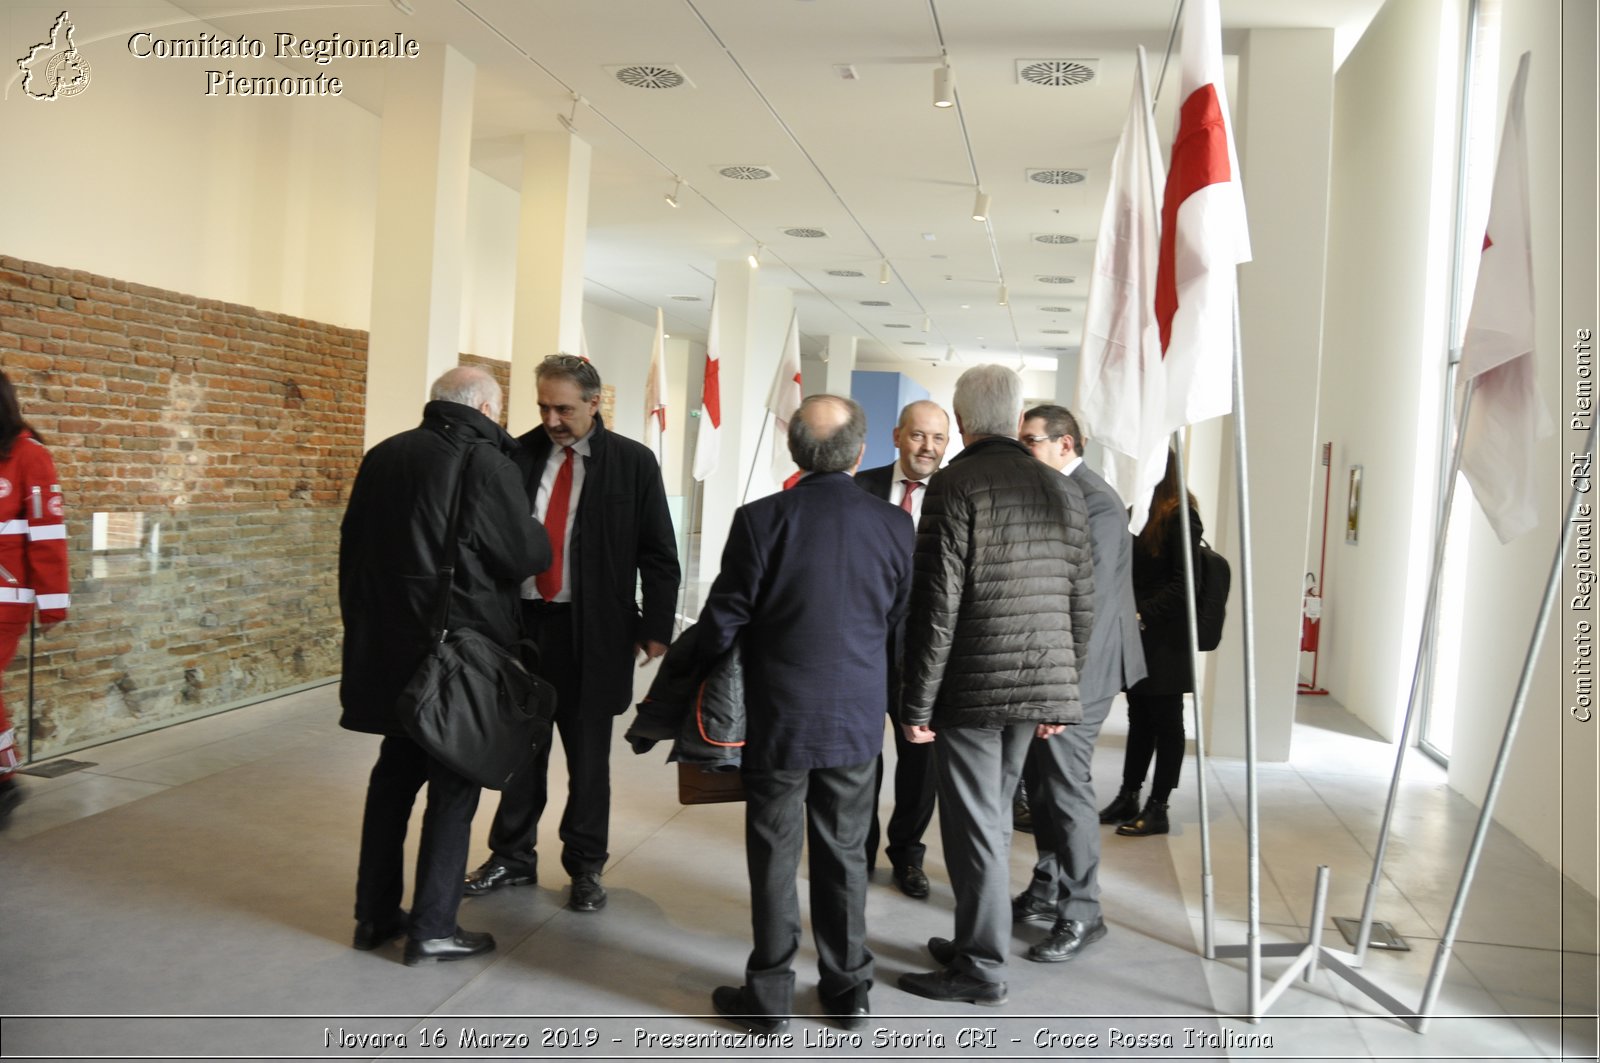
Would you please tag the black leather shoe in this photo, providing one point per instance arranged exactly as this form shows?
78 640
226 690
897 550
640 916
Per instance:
850 1009
1152 820
1068 938
943 951
378 933
463 944
1124 808
911 880
587 893
1026 908
1021 816
732 1004
495 874
951 984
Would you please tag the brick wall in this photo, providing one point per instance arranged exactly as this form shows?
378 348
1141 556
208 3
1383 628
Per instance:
235 433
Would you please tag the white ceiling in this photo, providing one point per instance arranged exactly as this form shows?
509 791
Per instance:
869 161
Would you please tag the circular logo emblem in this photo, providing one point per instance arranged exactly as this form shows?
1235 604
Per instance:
68 73
5 487
54 505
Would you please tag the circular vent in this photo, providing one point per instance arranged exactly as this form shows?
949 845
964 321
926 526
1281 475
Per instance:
650 76
806 234
746 173
1058 348
914 343
873 302
845 273
1056 331
1056 177
896 326
1056 238
1055 280
1057 73
685 298
1056 309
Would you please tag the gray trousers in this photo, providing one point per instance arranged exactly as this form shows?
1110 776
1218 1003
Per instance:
1066 824
977 770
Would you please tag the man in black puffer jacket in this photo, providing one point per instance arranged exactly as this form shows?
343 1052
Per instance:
1001 610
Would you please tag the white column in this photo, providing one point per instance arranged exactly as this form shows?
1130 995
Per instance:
1285 122
841 363
424 158
550 245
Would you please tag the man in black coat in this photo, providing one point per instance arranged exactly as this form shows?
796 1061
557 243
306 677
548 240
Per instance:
391 544
998 630
921 436
813 581
1065 889
600 498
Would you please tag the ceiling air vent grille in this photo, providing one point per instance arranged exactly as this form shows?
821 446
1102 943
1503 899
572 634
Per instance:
1058 348
686 298
806 234
894 325
650 76
1054 238
914 343
1056 331
1056 176
1054 278
874 302
745 172
845 273
1056 309
1057 73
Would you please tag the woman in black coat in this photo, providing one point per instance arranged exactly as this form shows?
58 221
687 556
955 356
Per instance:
1155 703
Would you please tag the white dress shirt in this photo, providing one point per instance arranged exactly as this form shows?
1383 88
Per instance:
541 505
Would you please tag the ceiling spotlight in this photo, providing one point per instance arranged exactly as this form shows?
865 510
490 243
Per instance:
944 86
1002 300
927 322
754 258
980 206
950 354
672 196
569 121
883 272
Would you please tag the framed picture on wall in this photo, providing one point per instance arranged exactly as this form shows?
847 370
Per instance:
1352 513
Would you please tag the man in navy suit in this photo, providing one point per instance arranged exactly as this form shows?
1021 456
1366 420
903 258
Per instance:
921 437
813 582
1065 890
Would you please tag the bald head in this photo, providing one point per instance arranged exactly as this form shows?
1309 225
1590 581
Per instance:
827 434
470 386
921 437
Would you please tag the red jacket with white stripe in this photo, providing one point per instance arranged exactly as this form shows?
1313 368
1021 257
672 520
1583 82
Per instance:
33 535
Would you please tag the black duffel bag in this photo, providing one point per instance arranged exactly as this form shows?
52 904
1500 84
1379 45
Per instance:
472 704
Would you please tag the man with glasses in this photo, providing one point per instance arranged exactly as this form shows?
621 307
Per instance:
1065 889
600 498
921 437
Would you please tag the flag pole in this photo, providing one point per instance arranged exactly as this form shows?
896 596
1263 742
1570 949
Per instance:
1552 588
766 420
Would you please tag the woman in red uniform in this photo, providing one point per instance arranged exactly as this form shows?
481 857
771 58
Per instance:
33 557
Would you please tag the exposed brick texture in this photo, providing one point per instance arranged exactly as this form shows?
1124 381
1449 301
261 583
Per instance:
236 434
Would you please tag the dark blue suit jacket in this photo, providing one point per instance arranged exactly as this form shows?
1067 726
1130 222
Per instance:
813 581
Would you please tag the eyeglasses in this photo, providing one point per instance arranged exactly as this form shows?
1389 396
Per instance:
564 361
1034 441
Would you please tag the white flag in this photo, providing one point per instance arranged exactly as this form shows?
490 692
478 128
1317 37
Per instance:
655 396
1121 392
1203 233
1508 414
708 442
783 398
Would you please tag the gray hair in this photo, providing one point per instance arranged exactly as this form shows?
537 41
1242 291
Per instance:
570 367
468 385
830 446
988 401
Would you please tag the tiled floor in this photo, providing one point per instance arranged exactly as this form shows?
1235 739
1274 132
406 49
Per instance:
206 872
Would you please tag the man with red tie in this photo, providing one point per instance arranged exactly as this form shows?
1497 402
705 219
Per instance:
921 437
600 499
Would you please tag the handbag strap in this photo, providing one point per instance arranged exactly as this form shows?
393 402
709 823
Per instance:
447 568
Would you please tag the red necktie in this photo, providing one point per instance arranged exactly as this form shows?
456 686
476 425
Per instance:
911 489
555 525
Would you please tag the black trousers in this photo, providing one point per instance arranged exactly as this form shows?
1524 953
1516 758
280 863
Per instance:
586 741
829 808
915 796
402 768
1155 726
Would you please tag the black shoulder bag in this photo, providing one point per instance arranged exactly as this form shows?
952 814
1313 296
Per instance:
472 704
